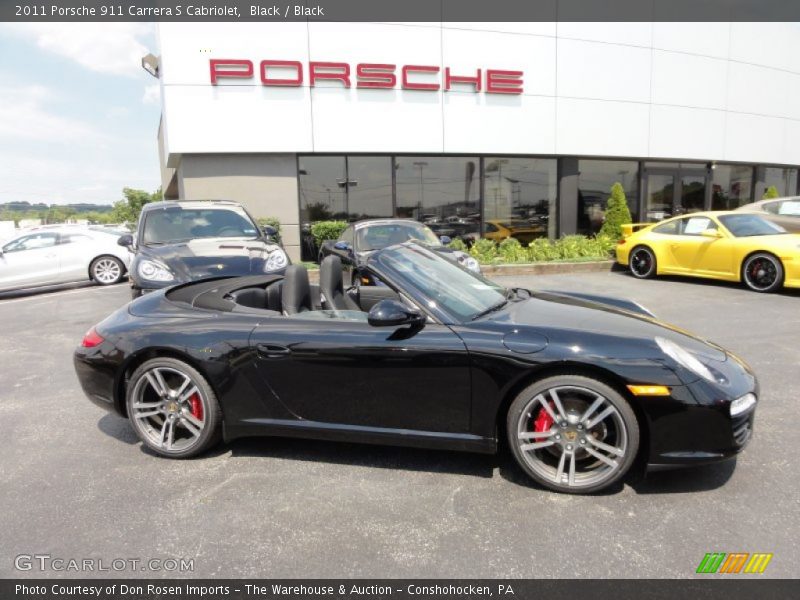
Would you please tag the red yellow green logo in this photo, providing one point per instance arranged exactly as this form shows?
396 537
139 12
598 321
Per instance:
734 562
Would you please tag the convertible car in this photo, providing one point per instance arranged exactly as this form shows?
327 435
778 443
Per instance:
581 387
731 246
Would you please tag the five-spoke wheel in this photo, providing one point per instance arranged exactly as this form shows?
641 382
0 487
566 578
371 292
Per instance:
107 270
172 408
762 272
642 262
572 433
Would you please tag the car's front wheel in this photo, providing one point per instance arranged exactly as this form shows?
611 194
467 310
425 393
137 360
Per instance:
572 433
762 272
173 409
642 262
107 270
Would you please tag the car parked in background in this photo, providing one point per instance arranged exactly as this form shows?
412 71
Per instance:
361 239
176 242
726 245
783 211
523 231
61 255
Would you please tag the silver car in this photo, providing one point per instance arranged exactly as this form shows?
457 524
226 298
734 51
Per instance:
48 256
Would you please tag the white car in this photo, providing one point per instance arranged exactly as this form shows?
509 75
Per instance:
61 255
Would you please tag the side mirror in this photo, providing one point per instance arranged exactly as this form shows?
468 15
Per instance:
269 231
125 240
711 233
342 245
445 239
393 313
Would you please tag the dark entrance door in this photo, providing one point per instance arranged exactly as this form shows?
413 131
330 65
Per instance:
673 191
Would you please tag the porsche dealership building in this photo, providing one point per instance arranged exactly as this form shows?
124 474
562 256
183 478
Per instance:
472 127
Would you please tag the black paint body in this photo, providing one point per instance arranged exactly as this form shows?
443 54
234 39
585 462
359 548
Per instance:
441 385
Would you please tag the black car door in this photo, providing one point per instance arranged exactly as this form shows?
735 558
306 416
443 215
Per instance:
336 370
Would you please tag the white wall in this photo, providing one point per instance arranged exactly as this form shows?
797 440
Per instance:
715 91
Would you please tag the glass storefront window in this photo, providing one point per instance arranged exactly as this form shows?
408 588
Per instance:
520 198
321 196
370 187
442 192
733 186
595 178
784 180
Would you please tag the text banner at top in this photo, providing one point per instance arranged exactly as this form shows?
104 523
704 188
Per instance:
401 10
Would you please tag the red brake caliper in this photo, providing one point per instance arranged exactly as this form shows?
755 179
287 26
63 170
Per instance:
196 406
543 421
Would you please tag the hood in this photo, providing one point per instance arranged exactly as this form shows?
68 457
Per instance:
212 257
616 329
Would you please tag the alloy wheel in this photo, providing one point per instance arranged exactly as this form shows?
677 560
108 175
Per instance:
642 262
168 409
573 437
106 271
761 273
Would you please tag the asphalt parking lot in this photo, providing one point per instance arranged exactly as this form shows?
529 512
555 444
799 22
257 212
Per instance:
75 483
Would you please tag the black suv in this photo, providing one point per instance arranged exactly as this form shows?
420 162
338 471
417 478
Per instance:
176 242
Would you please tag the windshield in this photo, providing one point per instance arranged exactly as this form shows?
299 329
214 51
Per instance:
446 286
180 224
379 236
750 225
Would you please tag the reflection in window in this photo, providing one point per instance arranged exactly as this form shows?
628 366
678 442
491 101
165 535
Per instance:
369 187
595 178
322 198
442 192
520 198
784 180
733 187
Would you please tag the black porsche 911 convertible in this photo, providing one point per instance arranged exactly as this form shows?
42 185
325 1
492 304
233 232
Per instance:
436 356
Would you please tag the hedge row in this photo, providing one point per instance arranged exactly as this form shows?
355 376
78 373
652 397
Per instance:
570 247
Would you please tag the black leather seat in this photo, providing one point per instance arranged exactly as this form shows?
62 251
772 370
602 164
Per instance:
332 286
250 297
274 292
295 291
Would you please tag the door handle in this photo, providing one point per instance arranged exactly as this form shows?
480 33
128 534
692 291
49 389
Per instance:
272 351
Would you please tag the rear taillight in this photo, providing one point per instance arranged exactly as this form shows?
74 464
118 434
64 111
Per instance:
91 339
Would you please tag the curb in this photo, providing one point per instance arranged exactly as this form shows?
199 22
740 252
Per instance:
548 268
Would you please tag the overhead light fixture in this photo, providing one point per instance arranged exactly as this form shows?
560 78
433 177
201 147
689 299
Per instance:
151 64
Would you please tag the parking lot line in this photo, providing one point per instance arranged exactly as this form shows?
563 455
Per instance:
49 295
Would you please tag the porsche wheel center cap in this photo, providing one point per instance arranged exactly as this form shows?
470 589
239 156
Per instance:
570 435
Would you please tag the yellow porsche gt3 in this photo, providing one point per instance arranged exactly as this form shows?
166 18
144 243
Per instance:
732 246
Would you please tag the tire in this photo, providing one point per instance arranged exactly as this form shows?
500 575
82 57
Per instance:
562 457
642 263
107 270
171 424
763 272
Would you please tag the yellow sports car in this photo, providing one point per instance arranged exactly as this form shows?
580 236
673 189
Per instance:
733 246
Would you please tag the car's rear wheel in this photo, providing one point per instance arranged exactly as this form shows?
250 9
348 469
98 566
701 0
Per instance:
642 262
173 409
572 433
762 272
107 270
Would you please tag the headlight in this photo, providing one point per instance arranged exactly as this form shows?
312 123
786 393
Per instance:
154 271
276 261
743 404
684 358
472 264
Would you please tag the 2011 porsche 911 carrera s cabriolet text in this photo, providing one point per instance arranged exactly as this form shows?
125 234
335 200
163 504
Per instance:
437 356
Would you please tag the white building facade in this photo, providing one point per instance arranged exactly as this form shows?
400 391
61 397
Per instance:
474 126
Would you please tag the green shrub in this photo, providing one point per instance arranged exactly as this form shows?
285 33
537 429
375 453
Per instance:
541 249
771 192
511 251
458 244
327 230
617 213
484 250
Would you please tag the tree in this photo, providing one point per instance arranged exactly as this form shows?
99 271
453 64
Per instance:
127 210
617 213
771 192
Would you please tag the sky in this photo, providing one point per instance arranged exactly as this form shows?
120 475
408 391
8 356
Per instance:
78 114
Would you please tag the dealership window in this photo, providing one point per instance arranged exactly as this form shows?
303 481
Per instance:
520 198
322 198
369 189
732 187
595 178
442 192
784 180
